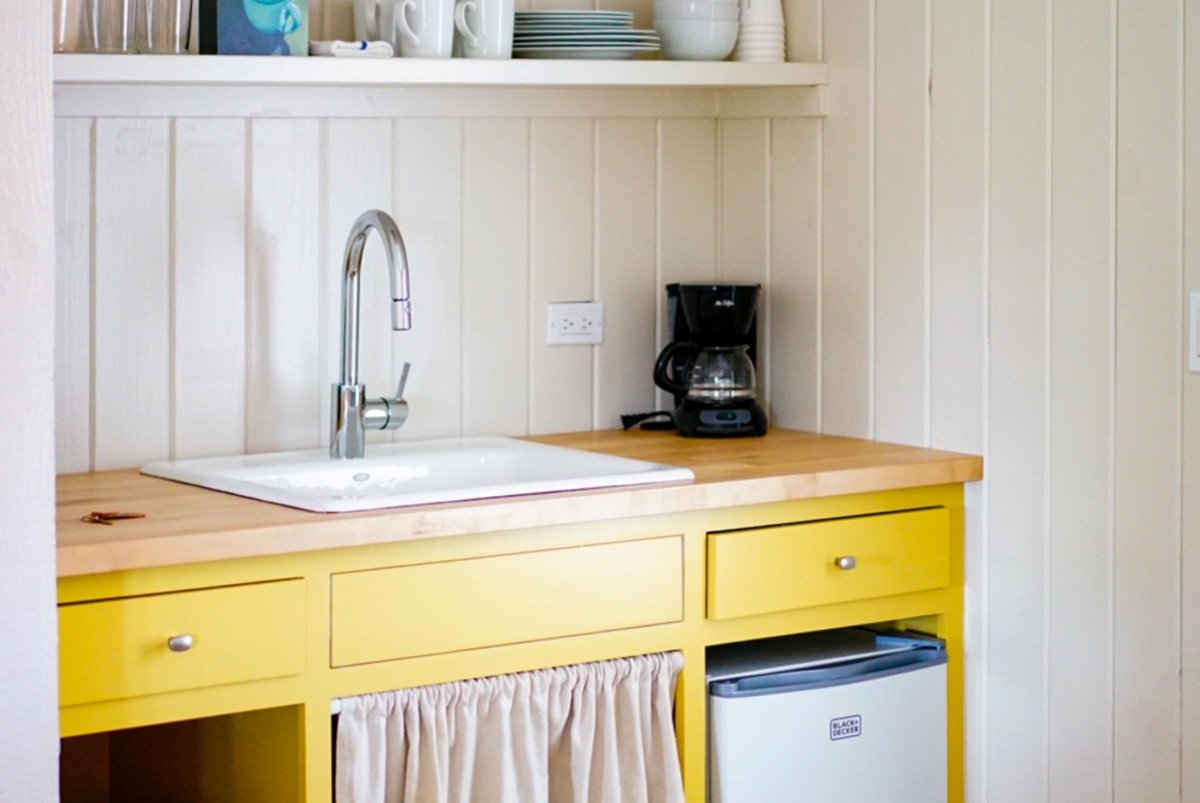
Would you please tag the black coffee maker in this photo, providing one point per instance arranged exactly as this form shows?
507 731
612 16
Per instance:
709 364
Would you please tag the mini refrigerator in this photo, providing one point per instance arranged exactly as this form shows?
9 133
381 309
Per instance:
853 716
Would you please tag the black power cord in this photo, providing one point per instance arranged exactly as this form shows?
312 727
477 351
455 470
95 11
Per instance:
645 420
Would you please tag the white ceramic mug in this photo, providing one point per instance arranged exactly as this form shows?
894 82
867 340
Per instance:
375 20
485 28
426 28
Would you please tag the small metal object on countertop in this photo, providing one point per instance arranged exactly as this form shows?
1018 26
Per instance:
97 517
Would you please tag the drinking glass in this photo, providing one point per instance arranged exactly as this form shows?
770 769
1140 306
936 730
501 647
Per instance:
108 26
164 26
64 30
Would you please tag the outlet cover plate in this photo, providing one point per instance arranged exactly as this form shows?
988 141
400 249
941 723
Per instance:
1193 333
574 323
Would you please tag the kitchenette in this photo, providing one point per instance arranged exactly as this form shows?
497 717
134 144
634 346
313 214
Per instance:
942 209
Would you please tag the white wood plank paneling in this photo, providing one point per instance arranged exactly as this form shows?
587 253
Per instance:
744 201
745 236
626 199
687 201
793 332
958 303
1017 547
561 172
132 349
802 29
209 299
429 205
794 294
495 301
846 219
958 313
283 337
1148 393
1080 493
1190 511
901 364
687 210
357 177
73 294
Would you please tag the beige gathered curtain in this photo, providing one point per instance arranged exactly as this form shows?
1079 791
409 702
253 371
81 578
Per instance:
589 733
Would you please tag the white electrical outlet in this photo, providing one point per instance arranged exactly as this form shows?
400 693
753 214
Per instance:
574 323
1193 333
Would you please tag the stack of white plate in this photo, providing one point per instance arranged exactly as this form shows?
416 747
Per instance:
579 34
760 37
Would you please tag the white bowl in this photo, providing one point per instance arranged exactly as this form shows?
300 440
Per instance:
696 40
695 10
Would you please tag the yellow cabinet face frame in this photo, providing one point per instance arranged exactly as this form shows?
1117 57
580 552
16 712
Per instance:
624 587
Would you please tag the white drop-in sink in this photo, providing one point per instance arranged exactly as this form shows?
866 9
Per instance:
413 473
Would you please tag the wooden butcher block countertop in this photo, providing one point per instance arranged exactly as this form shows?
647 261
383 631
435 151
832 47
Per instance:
186 524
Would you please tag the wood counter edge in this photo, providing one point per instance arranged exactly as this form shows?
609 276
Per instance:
727 474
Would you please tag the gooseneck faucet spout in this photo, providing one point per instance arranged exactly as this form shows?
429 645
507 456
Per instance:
351 413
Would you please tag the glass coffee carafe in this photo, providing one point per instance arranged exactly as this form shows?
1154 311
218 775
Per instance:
712 374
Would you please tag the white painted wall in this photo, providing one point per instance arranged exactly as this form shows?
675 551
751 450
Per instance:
1005 237
28 691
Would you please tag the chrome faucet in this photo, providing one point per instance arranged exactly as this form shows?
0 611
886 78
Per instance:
352 413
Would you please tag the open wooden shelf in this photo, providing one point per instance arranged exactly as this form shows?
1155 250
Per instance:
232 71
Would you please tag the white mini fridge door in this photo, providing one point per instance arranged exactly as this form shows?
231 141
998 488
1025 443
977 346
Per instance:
869 732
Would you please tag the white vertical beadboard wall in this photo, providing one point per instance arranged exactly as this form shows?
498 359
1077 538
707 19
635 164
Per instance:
200 267
1079 619
1019 284
1003 272
982 248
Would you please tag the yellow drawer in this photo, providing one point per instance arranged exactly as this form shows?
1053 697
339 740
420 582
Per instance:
119 648
434 608
796 566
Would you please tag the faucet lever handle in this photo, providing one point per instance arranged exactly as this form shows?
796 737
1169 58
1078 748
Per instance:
403 381
385 413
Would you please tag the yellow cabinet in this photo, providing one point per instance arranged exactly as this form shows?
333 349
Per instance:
276 637
771 569
131 647
427 609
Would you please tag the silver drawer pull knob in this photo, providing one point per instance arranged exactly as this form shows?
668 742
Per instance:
179 643
845 563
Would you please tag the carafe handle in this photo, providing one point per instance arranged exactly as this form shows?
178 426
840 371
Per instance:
662 368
